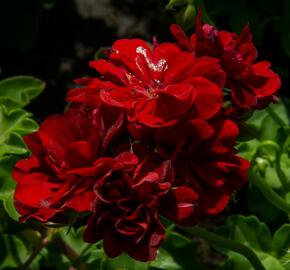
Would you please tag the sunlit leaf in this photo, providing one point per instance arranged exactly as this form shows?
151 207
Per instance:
17 92
13 125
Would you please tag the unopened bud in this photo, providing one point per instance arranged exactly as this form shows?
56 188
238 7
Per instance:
176 3
188 16
261 164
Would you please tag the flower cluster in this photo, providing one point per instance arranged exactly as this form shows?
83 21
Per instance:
149 136
252 84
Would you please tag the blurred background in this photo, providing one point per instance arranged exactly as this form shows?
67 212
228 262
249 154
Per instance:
54 40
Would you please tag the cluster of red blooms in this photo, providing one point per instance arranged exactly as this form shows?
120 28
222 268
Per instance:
149 136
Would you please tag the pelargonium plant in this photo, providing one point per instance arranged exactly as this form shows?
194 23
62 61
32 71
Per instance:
151 142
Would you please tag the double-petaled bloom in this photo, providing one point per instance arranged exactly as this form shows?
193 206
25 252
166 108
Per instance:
125 213
147 137
70 170
252 84
156 86
66 158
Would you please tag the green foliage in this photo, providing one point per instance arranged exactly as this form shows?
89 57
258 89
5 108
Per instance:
249 231
13 251
14 125
269 153
15 93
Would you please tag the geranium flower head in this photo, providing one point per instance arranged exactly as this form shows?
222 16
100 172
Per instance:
59 175
157 86
125 213
253 84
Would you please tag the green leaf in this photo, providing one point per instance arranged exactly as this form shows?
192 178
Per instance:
180 253
123 262
254 234
13 125
260 206
74 238
272 129
6 165
164 261
8 203
16 92
265 126
7 185
14 250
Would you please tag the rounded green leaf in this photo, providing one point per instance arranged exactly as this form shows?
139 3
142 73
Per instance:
13 125
250 232
17 92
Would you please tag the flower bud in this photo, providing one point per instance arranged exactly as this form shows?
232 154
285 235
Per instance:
186 16
175 3
261 164
189 15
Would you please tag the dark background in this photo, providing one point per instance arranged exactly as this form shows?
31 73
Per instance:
55 39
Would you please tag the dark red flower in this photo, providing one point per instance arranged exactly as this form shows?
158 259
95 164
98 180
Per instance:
252 84
59 175
157 86
125 214
173 154
206 166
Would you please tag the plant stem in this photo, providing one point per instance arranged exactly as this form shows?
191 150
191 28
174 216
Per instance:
72 255
269 193
227 244
283 179
276 117
43 243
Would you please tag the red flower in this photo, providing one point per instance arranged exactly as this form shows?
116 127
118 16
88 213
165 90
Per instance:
206 166
58 175
253 85
126 209
173 154
157 87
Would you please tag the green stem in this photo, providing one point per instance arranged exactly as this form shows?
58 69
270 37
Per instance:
46 237
283 178
269 193
227 244
69 252
276 117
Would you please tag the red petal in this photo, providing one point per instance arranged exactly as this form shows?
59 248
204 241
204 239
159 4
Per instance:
122 97
23 167
180 205
243 97
147 249
84 95
59 131
81 202
208 100
32 197
80 154
216 200
134 55
208 68
110 72
182 40
226 133
113 247
273 81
